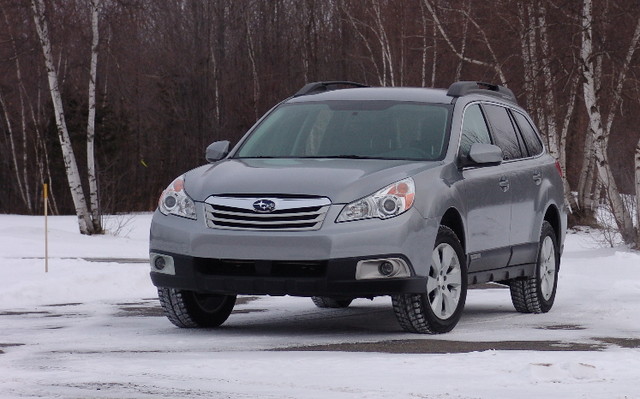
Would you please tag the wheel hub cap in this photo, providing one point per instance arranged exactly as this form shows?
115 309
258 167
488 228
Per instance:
444 281
547 268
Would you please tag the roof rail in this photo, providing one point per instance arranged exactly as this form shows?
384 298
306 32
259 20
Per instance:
459 89
317 87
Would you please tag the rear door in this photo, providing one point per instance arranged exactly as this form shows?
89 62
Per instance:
524 178
529 207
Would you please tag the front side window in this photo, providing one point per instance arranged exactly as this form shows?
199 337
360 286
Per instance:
351 129
474 129
503 132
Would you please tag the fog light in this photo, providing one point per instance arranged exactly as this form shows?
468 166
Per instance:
382 269
160 263
386 268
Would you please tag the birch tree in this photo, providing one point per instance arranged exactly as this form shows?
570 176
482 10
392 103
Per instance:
600 127
96 218
70 165
637 181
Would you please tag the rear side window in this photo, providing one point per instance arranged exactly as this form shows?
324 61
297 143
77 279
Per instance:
531 140
474 129
504 133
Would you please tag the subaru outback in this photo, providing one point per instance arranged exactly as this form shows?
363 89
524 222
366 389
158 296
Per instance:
344 191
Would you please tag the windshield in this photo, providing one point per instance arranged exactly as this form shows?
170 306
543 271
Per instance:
351 129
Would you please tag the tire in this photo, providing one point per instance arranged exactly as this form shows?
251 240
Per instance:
536 294
329 302
438 310
188 309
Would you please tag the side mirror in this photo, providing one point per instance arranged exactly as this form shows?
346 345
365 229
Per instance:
217 150
483 154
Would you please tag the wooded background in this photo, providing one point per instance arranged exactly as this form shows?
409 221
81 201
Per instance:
172 76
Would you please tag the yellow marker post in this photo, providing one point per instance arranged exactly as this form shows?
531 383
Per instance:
46 240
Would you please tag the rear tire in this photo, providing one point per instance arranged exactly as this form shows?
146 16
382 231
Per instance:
438 310
536 294
332 303
188 309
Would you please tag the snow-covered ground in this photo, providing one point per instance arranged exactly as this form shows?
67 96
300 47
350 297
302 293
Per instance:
92 328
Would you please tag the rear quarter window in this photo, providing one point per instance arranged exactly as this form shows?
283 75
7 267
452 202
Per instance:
529 135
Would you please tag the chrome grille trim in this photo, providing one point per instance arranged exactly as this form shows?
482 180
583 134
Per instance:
290 214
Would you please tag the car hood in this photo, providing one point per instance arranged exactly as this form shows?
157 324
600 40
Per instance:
341 180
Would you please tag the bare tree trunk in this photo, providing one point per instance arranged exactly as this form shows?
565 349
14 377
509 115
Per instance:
586 197
254 72
555 146
71 167
597 129
96 217
14 154
637 175
22 182
423 71
434 61
564 130
463 45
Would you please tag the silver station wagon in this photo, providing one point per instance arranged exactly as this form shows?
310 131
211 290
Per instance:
344 191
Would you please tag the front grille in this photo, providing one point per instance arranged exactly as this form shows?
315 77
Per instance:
290 214
260 268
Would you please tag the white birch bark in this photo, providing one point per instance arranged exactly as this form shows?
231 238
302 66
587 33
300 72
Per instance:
463 45
555 145
254 72
71 167
529 88
637 175
600 133
96 217
423 81
434 61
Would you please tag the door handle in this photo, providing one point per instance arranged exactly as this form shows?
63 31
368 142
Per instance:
504 184
537 177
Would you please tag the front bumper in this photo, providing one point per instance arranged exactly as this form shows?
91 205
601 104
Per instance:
264 277
305 263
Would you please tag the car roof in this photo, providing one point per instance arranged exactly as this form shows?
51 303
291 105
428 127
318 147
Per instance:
413 94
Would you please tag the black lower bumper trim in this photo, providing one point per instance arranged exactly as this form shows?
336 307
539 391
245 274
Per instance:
334 277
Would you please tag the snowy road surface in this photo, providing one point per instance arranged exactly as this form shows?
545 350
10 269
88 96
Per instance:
92 329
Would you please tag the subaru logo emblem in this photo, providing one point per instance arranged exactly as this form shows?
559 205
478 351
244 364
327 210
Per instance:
264 206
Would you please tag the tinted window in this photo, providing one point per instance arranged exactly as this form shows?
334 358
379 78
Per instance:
503 132
367 129
529 135
474 129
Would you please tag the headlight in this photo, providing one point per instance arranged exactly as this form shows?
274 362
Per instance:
175 201
391 201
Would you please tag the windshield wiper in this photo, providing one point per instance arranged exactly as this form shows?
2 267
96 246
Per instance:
346 157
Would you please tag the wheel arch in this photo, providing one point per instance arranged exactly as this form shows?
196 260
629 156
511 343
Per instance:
453 220
552 215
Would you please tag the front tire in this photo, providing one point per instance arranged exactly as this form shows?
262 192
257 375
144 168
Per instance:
536 294
438 310
188 309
